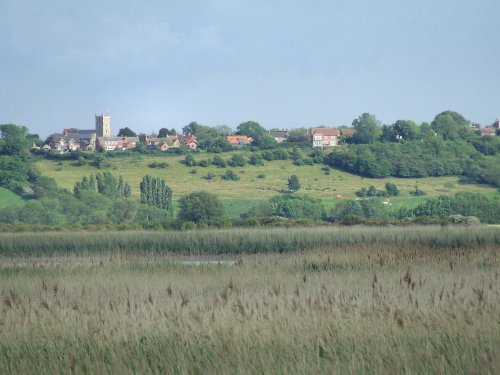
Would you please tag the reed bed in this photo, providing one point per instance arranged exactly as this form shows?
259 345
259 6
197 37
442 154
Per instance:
363 308
243 241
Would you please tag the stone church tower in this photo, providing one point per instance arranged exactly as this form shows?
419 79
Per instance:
103 125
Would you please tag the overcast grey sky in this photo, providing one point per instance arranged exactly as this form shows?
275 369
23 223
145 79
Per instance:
163 63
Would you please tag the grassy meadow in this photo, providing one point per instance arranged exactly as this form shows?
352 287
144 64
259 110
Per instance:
239 196
8 198
359 305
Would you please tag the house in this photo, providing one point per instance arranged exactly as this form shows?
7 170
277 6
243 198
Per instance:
279 136
117 143
325 137
65 142
486 132
239 140
190 140
173 141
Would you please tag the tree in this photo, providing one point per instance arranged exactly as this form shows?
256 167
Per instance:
251 129
164 132
201 207
264 141
126 132
450 125
293 183
367 129
14 140
224 130
191 128
391 189
156 192
401 130
300 136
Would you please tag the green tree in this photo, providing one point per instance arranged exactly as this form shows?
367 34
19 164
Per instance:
14 140
164 132
201 207
450 125
126 132
264 141
367 129
392 189
293 183
156 192
251 129
224 130
237 160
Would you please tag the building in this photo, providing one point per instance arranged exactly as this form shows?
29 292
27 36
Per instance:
103 125
486 132
191 141
325 137
65 142
279 136
117 143
239 140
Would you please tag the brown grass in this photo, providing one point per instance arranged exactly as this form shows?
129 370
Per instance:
358 309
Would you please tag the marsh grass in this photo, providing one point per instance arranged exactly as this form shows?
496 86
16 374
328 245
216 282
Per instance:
243 241
361 306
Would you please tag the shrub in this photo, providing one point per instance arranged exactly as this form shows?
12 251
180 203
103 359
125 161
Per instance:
201 207
230 176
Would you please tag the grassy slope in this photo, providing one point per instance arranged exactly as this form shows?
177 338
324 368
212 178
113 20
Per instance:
8 198
239 196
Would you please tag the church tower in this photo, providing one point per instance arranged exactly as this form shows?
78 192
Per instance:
103 125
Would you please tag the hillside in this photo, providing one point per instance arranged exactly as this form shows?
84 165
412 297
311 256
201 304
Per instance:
8 198
239 196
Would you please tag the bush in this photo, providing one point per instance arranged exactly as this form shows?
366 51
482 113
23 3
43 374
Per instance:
237 160
160 165
201 207
210 176
256 159
219 162
230 176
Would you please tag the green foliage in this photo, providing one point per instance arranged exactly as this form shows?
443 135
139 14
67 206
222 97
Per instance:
237 160
14 140
160 165
293 183
256 159
466 204
418 192
105 184
264 141
190 161
434 157
201 207
450 125
367 129
401 130
156 192
346 210
101 162
299 136
164 132
392 189
219 162
289 206
251 129
126 132
230 176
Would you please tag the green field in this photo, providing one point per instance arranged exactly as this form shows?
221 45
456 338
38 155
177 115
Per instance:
239 196
341 300
8 198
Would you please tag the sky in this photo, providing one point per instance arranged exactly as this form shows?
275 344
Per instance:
285 64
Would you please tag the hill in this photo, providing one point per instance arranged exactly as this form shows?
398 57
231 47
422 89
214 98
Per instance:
256 182
8 198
